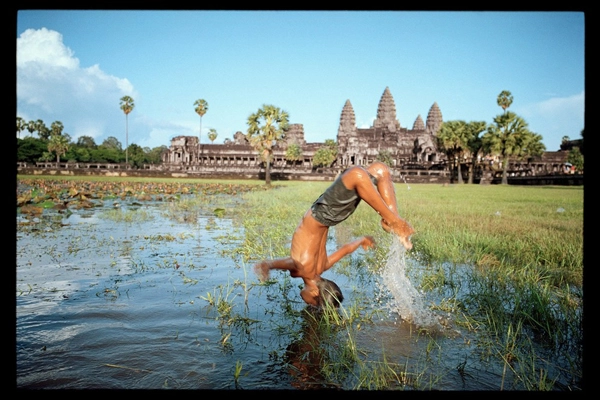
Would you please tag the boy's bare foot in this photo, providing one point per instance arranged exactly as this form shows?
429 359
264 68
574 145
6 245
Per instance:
262 271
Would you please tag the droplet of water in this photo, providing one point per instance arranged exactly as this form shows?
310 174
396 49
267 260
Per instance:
406 300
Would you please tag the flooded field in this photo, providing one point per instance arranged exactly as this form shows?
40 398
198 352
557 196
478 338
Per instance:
141 295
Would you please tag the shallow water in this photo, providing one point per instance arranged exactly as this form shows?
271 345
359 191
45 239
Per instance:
163 303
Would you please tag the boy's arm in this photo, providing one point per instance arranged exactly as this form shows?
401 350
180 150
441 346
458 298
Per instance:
366 242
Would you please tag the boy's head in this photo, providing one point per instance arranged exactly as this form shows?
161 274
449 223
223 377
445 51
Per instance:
329 293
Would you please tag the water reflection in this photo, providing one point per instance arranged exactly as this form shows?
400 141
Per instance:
308 355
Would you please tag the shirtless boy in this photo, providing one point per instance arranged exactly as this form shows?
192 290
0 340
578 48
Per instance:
309 259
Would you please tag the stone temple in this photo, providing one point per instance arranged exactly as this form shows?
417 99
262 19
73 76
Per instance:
356 146
362 146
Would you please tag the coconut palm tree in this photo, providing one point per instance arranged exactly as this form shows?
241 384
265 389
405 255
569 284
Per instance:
201 109
266 127
127 106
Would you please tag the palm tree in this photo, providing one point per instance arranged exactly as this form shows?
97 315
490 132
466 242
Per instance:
201 109
127 106
56 128
42 129
30 127
21 124
505 99
265 128
452 140
59 144
474 143
212 134
506 139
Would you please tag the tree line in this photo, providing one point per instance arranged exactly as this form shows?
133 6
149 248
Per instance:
507 138
52 144
464 143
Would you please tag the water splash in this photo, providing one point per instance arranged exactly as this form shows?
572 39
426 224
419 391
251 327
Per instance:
406 300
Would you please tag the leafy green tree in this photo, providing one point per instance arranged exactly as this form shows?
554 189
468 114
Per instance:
112 142
155 154
110 150
294 153
58 144
212 134
266 127
81 154
385 157
201 109
127 105
87 142
107 154
30 149
137 155
576 158
452 140
325 156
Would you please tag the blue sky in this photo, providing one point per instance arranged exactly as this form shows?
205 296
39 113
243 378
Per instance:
74 66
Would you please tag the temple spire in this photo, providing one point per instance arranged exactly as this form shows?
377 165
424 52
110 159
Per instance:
386 112
434 120
419 125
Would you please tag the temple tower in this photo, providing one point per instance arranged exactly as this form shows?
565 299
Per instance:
347 127
434 120
386 113
419 125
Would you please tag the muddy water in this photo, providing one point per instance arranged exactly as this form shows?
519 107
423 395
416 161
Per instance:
159 302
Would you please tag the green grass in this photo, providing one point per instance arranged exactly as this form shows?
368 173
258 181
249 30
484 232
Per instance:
530 229
524 246
507 262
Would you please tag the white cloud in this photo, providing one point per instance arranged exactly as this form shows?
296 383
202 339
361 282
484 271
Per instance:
44 47
52 86
556 117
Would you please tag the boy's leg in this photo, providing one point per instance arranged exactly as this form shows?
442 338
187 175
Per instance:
385 184
262 269
357 178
